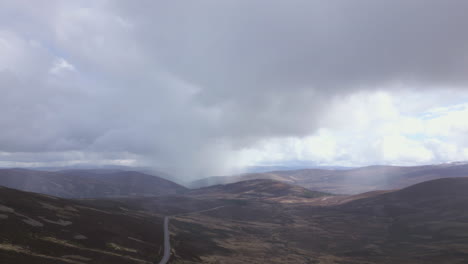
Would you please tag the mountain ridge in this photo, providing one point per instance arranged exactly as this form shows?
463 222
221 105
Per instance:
88 183
351 181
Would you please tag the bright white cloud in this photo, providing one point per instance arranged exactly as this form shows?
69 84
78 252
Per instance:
376 132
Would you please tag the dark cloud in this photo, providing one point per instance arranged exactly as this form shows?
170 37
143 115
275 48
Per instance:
183 83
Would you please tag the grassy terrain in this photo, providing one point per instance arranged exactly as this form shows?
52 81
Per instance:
250 222
425 223
36 228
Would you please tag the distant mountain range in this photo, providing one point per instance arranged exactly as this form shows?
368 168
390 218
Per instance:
114 182
90 183
300 166
349 181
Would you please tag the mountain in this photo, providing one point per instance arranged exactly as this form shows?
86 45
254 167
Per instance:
260 188
88 183
160 172
256 221
268 168
424 223
351 181
40 229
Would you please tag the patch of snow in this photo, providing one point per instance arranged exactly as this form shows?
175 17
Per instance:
6 209
77 257
70 208
33 222
50 207
48 196
80 237
59 222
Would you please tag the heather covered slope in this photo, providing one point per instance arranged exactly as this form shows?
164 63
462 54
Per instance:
254 221
88 183
260 188
35 228
424 223
351 181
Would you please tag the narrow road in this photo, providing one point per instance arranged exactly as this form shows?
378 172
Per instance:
167 243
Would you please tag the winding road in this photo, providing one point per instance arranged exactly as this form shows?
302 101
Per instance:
167 243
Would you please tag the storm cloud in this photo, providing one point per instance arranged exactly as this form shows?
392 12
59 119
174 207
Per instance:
185 84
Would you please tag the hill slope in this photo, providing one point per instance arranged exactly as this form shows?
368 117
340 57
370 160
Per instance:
424 223
352 181
259 188
35 228
88 183
245 222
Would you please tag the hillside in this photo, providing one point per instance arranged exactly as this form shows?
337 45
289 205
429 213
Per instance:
424 223
260 188
88 183
246 222
351 181
41 229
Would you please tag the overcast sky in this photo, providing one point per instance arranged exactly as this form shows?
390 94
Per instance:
207 87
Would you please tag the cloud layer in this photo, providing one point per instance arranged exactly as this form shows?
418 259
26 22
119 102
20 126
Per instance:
193 85
376 131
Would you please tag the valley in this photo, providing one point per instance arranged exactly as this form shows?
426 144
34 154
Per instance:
253 221
234 132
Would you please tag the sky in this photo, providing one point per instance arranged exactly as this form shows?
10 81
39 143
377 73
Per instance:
204 88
